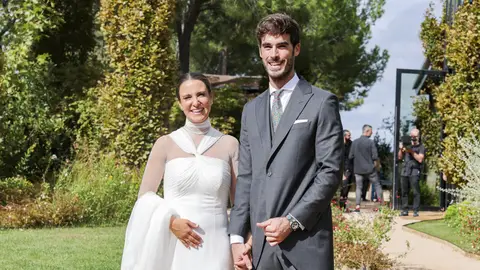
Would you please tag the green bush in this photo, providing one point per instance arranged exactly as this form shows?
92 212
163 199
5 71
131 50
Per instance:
15 190
452 217
105 189
43 210
129 109
428 195
358 239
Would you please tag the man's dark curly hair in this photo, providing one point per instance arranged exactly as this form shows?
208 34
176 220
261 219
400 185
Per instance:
278 24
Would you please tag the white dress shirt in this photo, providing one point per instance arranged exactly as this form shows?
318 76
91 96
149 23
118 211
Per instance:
287 91
284 99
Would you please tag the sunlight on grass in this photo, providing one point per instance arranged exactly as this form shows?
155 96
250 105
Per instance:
66 248
439 229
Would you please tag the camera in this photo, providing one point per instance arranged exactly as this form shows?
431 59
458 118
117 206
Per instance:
406 141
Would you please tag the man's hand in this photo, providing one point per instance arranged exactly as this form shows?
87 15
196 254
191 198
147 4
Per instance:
241 256
276 230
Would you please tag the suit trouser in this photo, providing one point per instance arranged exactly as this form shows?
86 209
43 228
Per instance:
414 182
346 185
373 179
273 259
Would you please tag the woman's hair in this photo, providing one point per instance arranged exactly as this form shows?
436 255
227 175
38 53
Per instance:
193 76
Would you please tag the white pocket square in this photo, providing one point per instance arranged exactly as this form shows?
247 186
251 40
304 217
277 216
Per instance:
300 121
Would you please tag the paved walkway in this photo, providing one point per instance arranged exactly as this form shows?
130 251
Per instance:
424 253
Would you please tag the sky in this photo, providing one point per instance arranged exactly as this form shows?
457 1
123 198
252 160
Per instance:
397 31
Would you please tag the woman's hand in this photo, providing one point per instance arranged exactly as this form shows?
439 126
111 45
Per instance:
183 230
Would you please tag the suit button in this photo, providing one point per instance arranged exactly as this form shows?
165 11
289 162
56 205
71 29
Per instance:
269 174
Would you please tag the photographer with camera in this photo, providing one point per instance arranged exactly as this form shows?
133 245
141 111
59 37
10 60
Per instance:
413 154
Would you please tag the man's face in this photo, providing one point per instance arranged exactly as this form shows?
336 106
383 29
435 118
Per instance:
347 136
278 55
414 136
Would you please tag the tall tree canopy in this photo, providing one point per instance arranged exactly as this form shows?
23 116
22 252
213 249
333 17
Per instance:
334 56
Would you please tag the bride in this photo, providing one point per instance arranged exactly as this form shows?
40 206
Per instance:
187 229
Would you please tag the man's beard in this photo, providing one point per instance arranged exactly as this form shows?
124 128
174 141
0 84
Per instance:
286 72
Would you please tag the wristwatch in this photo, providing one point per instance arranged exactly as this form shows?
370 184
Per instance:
294 225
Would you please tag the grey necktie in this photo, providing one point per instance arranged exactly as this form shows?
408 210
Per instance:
277 109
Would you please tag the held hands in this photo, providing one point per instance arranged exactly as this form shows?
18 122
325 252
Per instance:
242 256
183 230
276 230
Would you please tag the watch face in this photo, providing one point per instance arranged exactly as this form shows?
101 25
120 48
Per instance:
294 225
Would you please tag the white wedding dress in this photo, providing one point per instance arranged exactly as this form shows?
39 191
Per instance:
198 165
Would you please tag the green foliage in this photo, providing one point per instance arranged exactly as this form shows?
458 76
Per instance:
469 153
466 218
456 100
15 190
452 217
104 189
428 195
430 125
129 109
61 210
469 210
43 209
93 191
385 155
30 128
358 239
334 43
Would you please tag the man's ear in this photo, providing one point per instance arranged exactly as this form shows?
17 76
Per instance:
296 50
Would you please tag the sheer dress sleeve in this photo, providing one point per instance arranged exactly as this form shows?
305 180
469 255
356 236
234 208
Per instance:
155 167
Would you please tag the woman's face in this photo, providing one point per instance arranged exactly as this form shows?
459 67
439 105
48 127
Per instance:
195 100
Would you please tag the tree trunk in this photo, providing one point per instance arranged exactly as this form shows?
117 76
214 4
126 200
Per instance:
185 23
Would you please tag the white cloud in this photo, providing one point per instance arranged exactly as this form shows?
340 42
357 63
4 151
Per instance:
398 32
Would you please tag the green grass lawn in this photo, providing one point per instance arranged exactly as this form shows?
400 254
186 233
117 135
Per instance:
439 229
66 248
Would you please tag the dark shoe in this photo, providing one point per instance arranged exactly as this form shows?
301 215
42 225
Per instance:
404 213
415 214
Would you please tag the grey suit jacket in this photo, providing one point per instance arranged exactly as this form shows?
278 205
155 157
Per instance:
297 172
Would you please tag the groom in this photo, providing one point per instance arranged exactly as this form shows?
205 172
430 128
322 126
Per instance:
290 162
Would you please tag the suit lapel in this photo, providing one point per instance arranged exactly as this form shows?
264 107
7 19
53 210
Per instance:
298 100
262 112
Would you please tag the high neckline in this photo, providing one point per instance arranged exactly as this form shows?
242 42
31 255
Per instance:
198 128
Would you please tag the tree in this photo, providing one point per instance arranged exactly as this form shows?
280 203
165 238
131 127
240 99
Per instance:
187 12
129 109
30 126
334 43
456 109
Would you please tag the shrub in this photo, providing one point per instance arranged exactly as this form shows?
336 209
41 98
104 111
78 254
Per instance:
452 217
428 195
90 191
469 210
15 190
129 109
46 210
358 239
105 189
